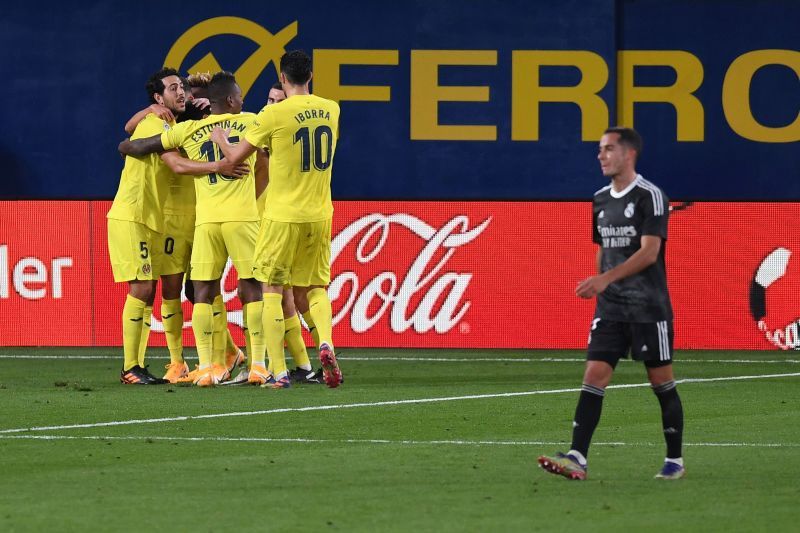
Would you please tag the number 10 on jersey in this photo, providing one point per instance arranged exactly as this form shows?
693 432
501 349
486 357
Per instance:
320 142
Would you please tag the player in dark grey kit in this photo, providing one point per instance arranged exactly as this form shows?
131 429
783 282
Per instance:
633 312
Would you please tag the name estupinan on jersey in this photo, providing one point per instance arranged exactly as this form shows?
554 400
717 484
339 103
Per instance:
616 236
233 125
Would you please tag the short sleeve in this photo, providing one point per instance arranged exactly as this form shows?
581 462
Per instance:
174 136
595 233
655 206
263 125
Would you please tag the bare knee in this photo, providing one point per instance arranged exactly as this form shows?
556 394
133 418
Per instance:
598 374
143 290
171 286
203 291
660 375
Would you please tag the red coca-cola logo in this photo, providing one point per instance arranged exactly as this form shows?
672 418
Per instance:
427 296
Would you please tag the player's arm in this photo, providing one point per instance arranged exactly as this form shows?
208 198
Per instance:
138 147
181 165
641 259
262 171
158 110
233 152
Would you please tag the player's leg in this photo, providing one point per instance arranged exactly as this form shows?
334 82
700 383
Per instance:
234 357
208 261
274 255
220 314
172 321
293 336
129 246
177 250
608 342
136 316
658 338
172 314
240 239
312 274
301 304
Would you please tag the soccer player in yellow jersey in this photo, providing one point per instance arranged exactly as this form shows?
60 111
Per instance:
294 242
179 218
303 373
136 224
226 222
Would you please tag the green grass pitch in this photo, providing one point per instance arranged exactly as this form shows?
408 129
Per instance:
415 440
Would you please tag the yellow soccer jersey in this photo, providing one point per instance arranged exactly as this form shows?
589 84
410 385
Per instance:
144 184
181 197
219 198
300 134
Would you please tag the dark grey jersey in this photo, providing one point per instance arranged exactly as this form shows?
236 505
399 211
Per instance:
620 220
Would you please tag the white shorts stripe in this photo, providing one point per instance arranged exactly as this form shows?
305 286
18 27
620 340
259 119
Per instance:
663 341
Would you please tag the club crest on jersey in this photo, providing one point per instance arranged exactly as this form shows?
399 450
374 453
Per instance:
146 268
629 210
166 127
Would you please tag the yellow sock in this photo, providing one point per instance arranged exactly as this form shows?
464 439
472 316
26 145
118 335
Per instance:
319 307
203 327
172 318
273 333
230 345
220 327
294 341
312 328
132 318
247 347
255 329
147 319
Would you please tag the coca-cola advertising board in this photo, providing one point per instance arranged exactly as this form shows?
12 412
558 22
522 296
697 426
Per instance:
435 274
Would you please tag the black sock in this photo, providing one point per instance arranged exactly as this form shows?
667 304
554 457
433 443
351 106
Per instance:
671 417
587 415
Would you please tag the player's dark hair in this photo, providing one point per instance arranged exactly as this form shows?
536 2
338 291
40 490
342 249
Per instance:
222 85
192 112
277 85
154 84
628 137
296 66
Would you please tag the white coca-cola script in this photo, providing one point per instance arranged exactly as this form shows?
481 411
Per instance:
377 228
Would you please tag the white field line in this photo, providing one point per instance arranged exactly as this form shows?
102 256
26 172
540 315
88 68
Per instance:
372 404
390 441
434 359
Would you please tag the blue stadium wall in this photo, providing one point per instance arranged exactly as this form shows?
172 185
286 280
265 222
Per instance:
440 99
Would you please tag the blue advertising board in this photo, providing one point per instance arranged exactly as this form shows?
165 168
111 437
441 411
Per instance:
440 100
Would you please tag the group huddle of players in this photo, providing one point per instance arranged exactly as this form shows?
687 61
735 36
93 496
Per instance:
203 182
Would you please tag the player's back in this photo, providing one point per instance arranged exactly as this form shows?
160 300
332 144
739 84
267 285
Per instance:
301 134
219 198
144 183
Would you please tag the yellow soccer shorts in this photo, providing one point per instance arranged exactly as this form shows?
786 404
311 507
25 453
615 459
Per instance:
135 251
291 253
214 242
177 243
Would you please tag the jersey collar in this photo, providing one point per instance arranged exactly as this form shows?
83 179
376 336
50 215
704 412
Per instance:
626 190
